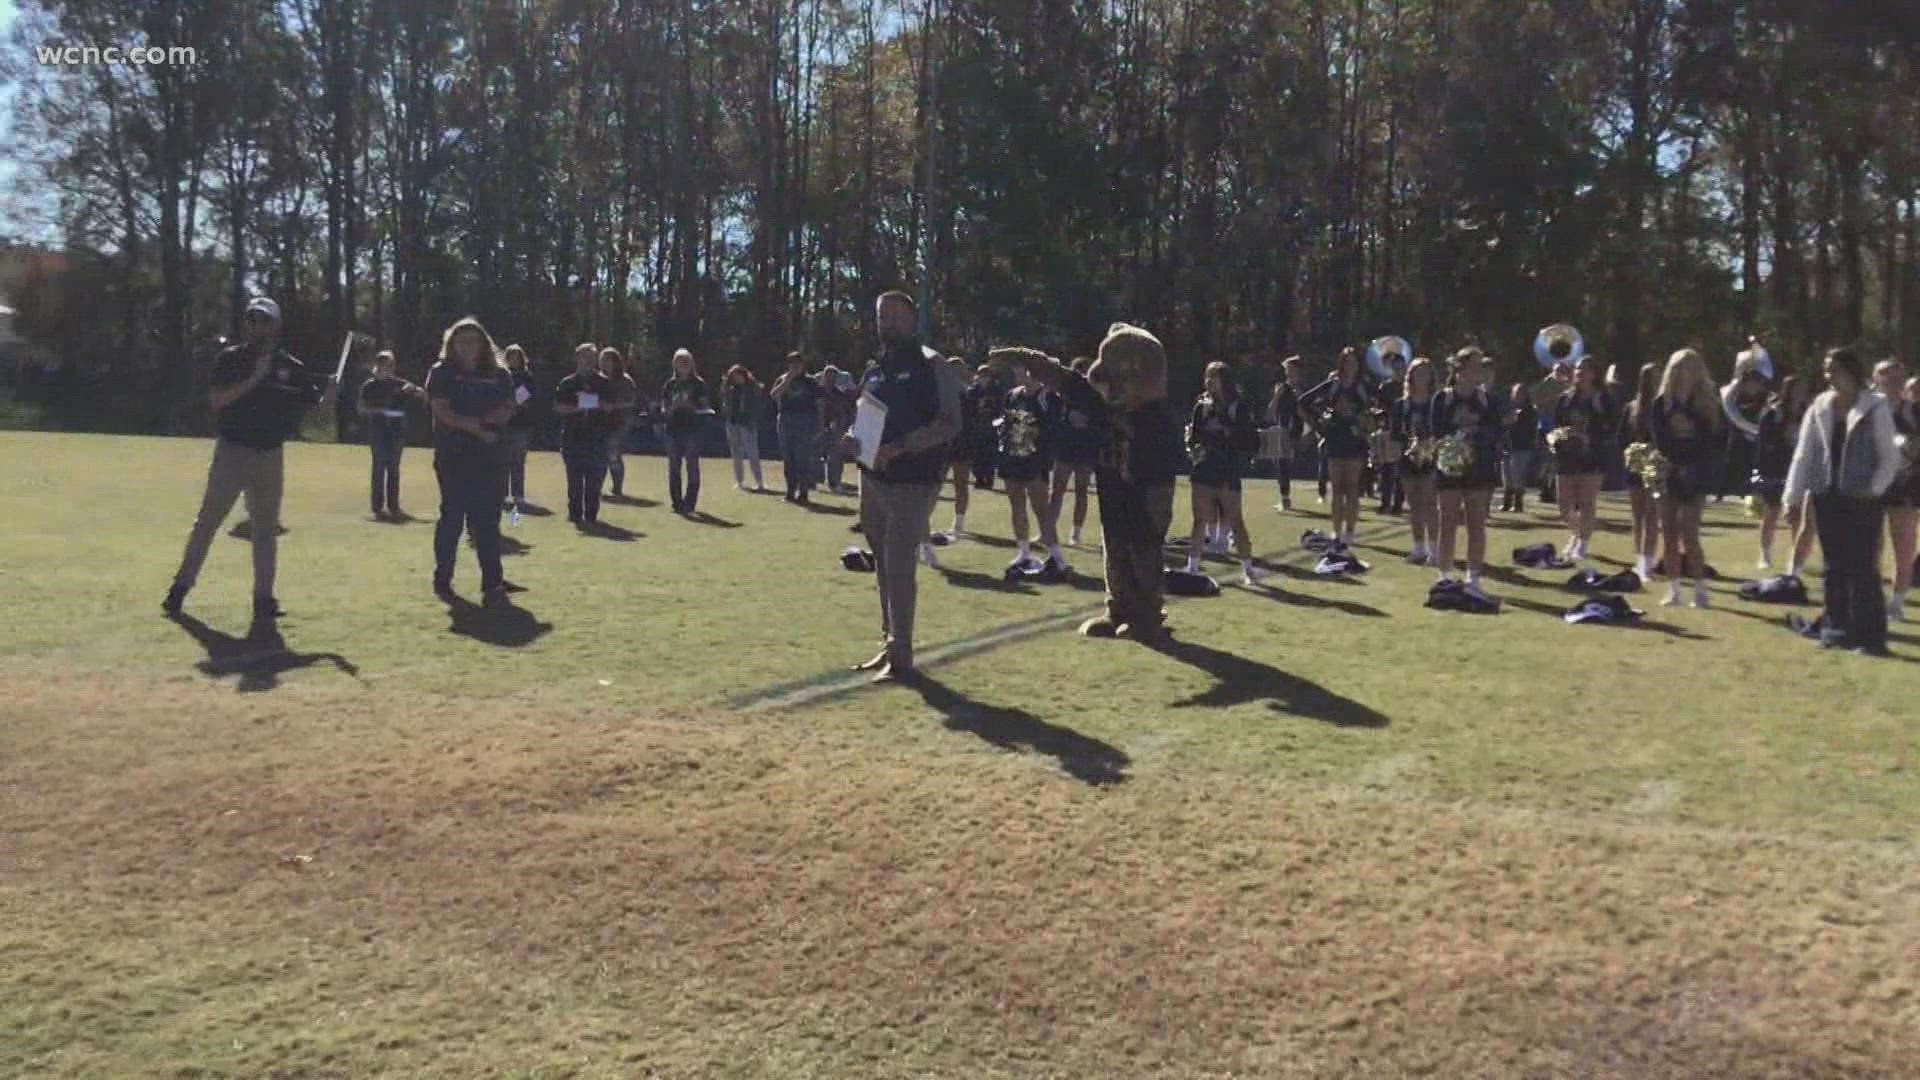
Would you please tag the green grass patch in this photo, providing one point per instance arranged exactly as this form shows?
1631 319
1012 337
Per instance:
652 828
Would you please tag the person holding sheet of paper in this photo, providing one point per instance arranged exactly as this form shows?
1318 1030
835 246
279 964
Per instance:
583 402
520 426
382 406
686 399
471 396
900 478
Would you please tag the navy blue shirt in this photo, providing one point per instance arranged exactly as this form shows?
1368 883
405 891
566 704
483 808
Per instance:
266 416
471 394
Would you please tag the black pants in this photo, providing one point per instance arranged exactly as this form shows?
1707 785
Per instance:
387 448
1850 536
470 498
1283 472
586 471
1392 499
983 471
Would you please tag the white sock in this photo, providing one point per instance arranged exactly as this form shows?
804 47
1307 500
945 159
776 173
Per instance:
1794 568
1025 551
1054 550
1074 537
1193 564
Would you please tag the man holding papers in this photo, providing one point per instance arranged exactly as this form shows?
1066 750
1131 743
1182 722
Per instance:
584 403
912 400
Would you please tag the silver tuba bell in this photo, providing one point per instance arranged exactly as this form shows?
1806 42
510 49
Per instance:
1559 344
1380 349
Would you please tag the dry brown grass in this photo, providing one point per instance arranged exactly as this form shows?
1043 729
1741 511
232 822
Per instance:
754 897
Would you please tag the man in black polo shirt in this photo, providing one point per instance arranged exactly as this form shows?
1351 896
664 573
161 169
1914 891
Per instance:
259 394
922 395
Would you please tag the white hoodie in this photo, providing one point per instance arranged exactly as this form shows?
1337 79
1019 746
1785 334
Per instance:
1869 460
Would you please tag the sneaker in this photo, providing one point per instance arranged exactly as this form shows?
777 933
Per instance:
1896 610
1702 600
1673 596
1765 562
927 556
1073 538
1417 557
176 599
1249 574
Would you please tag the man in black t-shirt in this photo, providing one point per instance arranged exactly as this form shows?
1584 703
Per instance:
585 403
259 394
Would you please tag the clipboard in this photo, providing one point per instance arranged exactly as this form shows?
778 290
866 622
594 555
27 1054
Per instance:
869 425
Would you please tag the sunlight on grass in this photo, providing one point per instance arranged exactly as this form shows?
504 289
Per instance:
1328 832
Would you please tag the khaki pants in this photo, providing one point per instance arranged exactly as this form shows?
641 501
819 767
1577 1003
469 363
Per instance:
1134 534
238 470
894 518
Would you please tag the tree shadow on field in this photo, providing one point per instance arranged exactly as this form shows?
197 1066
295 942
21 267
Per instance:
506 625
1241 681
259 659
1083 757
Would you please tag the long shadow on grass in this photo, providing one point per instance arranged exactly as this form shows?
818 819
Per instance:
1241 681
701 517
601 530
259 659
830 510
1647 625
244 530
1083 757
629 500
506 626
1310 601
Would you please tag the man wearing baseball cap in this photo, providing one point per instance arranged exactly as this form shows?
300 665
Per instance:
258 393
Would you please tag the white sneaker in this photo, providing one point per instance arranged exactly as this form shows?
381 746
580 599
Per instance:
1765 563
1073 538
1249 574
1641 567
1702 599
1417 557
1673 596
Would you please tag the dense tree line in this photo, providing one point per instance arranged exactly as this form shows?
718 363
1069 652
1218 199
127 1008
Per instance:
1249 177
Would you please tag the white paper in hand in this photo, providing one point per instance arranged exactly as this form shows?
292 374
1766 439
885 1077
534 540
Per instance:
522 395
869 424
589 401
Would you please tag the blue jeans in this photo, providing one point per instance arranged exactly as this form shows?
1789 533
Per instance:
1519 468
388 443
517 440
798 457
470 498
683 451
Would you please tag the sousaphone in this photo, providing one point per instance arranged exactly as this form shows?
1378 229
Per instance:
1559 344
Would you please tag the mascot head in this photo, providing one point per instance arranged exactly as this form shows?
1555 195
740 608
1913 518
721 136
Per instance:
1132 368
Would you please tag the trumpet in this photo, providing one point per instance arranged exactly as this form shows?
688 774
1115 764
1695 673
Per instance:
1559 344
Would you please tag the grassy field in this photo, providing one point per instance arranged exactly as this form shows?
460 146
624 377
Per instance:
643 825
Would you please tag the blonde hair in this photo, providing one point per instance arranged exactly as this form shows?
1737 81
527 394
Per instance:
512 351
1690 366
489 353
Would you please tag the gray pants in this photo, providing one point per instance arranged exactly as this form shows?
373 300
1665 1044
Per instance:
743 442
894 518
236 471
1134 534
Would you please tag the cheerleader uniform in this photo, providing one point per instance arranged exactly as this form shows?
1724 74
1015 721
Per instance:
1591 415
1341 411
1220 436
1640 431
1026 425
1073 439
1408 423
1474 412
1904 492
1683 437
1773 453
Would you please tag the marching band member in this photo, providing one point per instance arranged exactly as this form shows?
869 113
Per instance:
1220 435
1076 446
685 398
1773 453
1684 422
960 454
520 427
1391 445
1742 401
1522 424
796 398
1583 427
584 403
1467 412
1283 414
1646 512
1338 411
626 399
1412 419
741 399
381 404
1026 461
472 399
